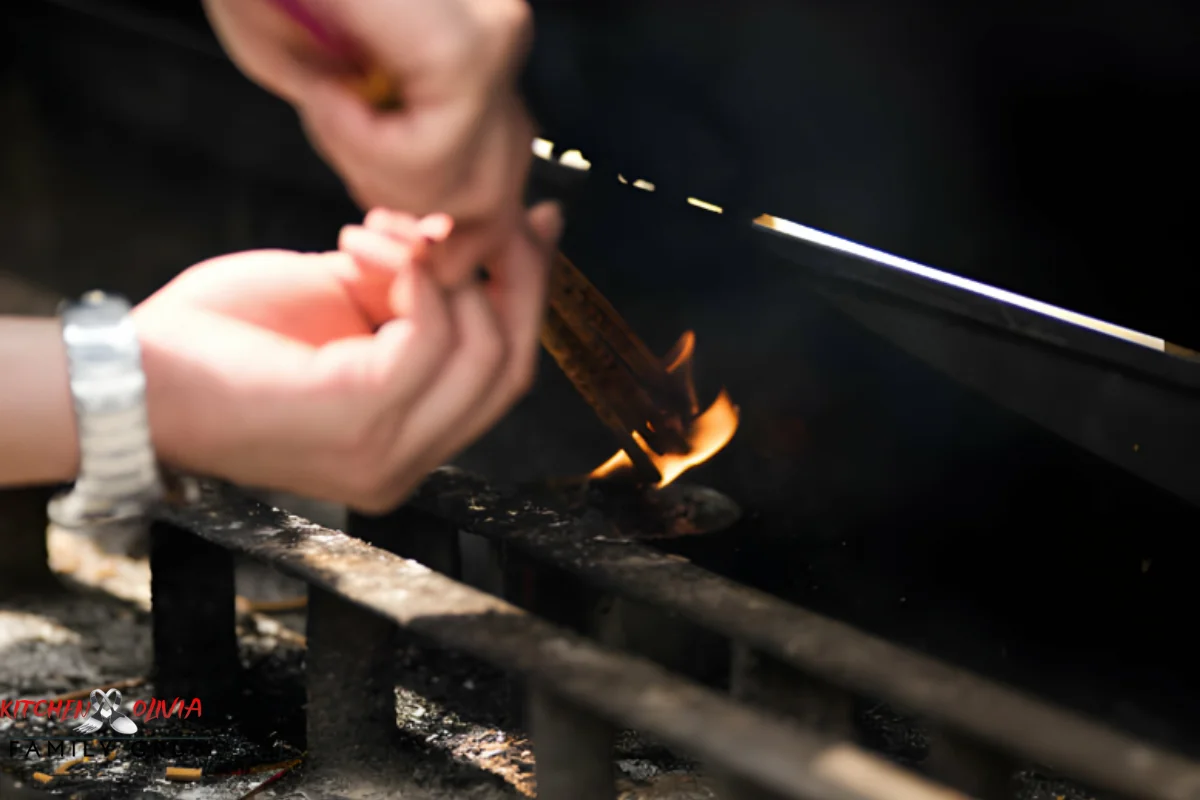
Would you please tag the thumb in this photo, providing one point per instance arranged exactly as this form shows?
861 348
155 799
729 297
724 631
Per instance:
546 222
520 273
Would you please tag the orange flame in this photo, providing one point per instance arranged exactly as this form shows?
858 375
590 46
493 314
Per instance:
707 435
681 354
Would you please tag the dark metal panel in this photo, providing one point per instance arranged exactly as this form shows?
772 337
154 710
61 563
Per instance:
1129 404
1148 428
1038 148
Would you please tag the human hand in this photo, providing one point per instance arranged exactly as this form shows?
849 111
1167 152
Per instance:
344 376
460 142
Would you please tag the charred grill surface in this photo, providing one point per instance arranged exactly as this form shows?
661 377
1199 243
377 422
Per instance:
633 511
762 750
786 726
1004 720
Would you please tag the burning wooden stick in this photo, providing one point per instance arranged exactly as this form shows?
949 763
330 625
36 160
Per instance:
648 403
662 405
595 382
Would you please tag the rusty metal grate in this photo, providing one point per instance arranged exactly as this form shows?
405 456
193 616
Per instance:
785 658
784 730
580 693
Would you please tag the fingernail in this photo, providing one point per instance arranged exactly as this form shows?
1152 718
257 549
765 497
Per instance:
436 227
376 218
348 232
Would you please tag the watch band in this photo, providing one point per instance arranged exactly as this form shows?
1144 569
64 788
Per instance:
118 475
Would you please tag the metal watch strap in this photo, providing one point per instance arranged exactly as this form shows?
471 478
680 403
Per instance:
118 475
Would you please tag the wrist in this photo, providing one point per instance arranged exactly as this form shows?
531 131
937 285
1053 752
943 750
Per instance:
183 401
38 439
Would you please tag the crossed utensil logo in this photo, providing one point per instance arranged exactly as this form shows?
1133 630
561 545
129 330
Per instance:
104 709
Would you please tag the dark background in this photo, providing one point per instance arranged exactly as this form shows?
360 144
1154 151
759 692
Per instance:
1048 152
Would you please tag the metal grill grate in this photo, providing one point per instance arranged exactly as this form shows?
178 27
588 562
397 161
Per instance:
789 660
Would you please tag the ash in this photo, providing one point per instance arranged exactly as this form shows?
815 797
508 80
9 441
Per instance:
461 737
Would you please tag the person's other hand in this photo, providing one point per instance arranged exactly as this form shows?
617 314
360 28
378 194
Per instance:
343 376
459 143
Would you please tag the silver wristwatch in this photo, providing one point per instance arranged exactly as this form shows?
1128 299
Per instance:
118 477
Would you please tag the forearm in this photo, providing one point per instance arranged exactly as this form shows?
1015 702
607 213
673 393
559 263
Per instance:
38 442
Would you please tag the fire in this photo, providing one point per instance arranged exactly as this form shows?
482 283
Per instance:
711 431
681 354
707 434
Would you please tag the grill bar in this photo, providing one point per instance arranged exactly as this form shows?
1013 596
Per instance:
765 681
970 708
976 768
351 703
573 749
603 685
194 624
26 563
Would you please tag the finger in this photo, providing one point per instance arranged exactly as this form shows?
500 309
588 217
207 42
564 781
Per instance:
318 26
521 276
436 227
378 261
460 386
380 251
478 182
391 369
489 207
427 147
456 260
475 242
546 222
519 294
270 48
397 224
466 155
